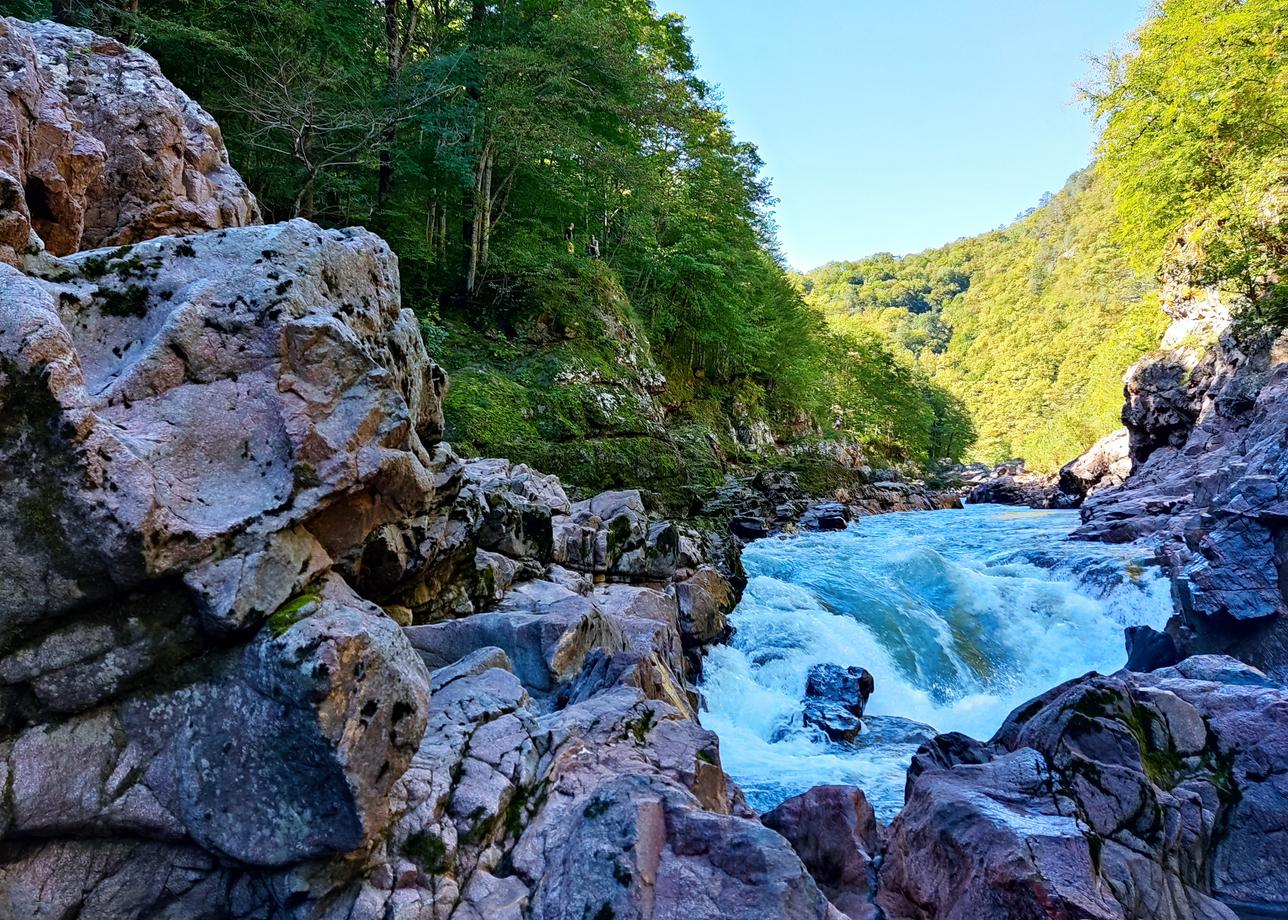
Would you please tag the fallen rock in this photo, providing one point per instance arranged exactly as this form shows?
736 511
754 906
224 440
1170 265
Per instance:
547 639
329 679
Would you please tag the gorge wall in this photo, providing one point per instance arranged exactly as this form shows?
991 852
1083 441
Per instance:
1207 423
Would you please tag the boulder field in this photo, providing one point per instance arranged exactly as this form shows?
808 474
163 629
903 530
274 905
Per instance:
270 649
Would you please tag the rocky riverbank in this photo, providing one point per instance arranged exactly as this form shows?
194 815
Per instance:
1207 416
270 648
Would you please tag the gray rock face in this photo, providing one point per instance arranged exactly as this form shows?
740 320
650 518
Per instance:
826 516
190 397
97 148
295 757
1127 796
1106 464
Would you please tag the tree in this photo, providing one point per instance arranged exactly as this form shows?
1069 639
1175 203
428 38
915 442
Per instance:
1196 140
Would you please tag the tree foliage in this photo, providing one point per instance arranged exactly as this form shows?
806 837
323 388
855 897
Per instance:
1031 327
1196 140
550 172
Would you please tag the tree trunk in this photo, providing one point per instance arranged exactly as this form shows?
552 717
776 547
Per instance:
393 68
489 156
63 11
474 222
303 206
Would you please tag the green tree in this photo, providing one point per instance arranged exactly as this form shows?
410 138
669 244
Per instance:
1196 139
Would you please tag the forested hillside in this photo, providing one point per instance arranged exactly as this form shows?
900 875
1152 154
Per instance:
588 244
1031 326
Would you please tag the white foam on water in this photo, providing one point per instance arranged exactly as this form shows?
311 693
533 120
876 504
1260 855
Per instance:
960 616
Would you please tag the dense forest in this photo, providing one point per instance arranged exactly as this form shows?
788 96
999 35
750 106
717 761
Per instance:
588 244
1031 326
592 253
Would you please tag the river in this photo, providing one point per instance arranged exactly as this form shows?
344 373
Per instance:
960 616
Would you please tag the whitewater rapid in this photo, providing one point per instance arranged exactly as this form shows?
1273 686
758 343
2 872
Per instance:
960 616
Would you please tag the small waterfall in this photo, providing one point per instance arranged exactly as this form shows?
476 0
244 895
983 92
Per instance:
959 615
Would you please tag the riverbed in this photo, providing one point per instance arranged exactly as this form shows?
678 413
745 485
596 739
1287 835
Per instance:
960 616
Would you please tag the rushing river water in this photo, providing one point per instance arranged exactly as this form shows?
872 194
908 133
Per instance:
960 616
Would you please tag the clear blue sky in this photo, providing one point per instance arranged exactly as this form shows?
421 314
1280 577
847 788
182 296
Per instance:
905 124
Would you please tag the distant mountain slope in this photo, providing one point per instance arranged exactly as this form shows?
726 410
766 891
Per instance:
1031 326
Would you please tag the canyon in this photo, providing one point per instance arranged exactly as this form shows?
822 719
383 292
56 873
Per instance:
270 648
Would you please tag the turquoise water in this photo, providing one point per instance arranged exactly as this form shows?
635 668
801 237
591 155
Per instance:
960 616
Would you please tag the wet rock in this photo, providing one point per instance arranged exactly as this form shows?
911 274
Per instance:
1148 649
705 601
826 516
748 528
835 833
1107 796
98 149
834 700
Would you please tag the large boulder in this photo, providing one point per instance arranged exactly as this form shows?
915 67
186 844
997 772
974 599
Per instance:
284 751
836 834
97 148
1159 410
834 700
1106 464
180 407
1138 795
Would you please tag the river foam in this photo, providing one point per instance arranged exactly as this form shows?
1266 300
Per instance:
960 616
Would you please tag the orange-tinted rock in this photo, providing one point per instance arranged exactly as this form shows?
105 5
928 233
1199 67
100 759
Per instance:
97 148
